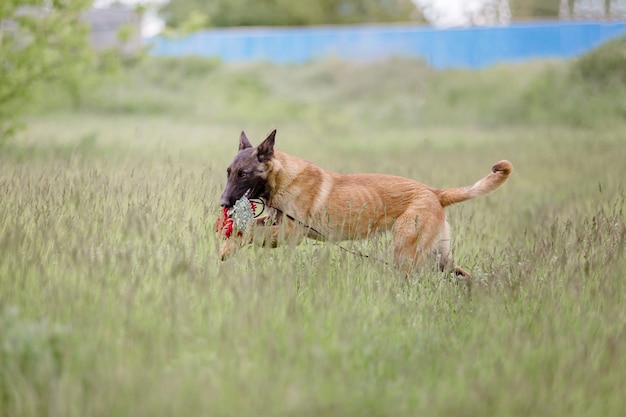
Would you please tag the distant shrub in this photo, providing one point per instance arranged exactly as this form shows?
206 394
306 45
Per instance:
604 65
586 92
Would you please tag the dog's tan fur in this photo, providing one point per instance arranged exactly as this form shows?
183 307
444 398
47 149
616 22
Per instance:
336 206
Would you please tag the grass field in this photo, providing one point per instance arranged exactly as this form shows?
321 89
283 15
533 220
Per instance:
113 301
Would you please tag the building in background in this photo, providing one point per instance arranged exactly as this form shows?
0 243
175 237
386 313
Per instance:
454 13
117 27
151 23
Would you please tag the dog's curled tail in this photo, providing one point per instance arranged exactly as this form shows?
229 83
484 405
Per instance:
500 172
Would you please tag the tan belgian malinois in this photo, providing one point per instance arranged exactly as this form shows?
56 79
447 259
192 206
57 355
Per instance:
306 200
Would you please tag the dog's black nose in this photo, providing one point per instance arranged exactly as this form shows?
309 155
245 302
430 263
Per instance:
224 202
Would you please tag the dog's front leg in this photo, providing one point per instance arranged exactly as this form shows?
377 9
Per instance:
236 241
278 234
265 235
230 246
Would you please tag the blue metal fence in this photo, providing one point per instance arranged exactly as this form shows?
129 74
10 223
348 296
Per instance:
475 47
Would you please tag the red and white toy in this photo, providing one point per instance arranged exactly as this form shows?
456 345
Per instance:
239 216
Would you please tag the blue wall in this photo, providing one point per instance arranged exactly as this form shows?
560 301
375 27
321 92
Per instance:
442 48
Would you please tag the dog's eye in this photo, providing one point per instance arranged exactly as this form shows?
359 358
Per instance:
241 174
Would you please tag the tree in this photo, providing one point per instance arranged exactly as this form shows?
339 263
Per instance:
40 40
525 9
287 12
585 9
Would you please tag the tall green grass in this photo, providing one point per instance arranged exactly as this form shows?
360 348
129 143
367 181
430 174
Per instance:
113 300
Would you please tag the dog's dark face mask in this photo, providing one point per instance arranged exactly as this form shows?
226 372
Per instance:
247 174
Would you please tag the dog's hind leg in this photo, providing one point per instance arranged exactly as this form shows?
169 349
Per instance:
443 248
415 235
443 252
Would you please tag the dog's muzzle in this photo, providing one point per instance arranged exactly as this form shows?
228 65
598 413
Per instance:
225 201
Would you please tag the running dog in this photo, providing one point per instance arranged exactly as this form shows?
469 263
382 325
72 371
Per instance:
308 201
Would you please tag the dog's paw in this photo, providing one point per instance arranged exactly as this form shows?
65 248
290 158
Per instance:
229 247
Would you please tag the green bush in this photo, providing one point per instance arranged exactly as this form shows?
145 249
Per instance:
585 92
604 66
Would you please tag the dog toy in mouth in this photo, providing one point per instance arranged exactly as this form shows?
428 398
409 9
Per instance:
238 217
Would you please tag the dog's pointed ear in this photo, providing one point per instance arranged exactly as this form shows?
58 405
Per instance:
265 150
244 143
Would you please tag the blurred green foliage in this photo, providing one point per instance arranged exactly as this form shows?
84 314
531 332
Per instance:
547 9
536 8
589 92
331 93
181 14
191 15
39 41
